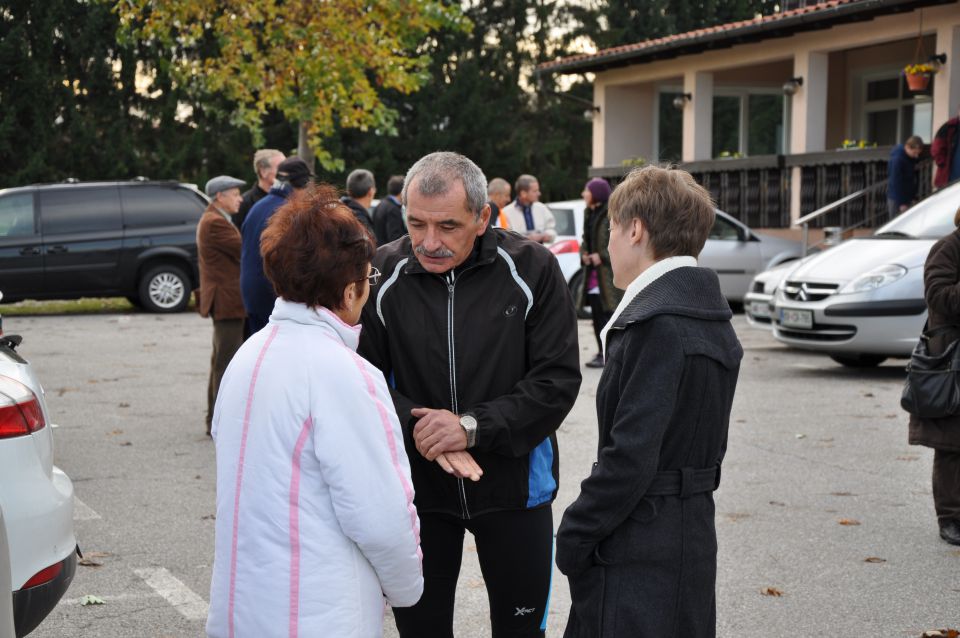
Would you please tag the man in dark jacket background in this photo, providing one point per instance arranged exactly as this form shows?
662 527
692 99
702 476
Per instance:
475 330
902 175
639 544
361 189
258 294
388 215
265 163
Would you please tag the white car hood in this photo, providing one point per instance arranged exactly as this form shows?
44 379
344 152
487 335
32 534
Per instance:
855 257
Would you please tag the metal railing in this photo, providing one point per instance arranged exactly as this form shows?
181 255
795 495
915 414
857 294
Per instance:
804 222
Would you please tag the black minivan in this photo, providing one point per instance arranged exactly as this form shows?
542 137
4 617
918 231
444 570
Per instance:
134 239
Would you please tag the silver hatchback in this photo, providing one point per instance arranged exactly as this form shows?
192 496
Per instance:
862 301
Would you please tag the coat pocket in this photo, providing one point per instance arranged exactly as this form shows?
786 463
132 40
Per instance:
650 534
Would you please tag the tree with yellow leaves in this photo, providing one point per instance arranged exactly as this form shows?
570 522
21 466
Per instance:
322 63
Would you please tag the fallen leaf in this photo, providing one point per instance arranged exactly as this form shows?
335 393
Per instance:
778 503
800 436
874 559
209 517
908 457
97 554
126 444
868 394
197 476
124 405
830 440
86 562
741 420
771 591
475 583
955 552
848 521
890 416
734 517
92 381
114 432
90 599
841 494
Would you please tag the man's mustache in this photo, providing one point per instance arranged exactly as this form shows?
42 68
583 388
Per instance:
440 253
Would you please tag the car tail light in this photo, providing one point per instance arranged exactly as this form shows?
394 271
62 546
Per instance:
20 412
45 575
565 246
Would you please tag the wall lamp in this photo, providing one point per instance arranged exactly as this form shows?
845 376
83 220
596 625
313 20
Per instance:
681 100
790 86
940 58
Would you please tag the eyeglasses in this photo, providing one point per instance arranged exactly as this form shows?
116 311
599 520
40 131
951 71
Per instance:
373 277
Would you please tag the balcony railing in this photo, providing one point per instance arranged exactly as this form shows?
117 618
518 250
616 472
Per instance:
756 190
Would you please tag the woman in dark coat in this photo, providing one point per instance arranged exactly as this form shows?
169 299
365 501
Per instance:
598 291
941 281
639 545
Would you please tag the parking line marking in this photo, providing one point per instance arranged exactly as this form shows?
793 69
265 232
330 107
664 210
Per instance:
82 511
108 599
191 606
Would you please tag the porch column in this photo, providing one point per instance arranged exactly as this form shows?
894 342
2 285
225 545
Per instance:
808 122
698 116
946 85
599 124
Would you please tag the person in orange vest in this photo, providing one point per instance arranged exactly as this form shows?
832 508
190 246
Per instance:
498 196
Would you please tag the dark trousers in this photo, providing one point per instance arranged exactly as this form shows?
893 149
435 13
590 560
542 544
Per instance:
600 317
255 323
515 549
946 485
227 339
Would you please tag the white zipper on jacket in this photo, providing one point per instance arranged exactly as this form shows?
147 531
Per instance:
452 360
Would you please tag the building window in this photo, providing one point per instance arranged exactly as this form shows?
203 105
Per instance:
747 122
669 128
890 112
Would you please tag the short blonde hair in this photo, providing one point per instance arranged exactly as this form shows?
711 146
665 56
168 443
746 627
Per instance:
676 210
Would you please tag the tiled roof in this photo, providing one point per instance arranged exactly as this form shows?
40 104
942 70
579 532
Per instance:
723 31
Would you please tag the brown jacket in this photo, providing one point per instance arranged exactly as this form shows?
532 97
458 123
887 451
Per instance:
941 283
218 248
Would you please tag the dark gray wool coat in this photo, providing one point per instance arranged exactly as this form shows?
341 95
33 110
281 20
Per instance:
941 288
643 565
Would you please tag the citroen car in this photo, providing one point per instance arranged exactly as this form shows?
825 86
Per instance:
862 302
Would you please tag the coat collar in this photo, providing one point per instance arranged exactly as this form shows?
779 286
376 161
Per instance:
677 288
291 312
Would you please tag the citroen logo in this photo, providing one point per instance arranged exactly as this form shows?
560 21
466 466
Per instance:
802 295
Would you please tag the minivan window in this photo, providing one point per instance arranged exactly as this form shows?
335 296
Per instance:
159 206
724 230
78 210
16 215
565 222
930 219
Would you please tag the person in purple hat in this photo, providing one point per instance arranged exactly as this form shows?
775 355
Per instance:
598 293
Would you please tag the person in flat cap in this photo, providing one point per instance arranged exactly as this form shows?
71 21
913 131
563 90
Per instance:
258 294
598 292
218 252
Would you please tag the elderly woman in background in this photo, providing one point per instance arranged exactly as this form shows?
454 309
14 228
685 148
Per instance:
941 282
598 292
315 515
639 545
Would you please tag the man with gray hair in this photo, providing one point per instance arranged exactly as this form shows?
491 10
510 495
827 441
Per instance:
498 196
475 330
361 188
527 216
265 163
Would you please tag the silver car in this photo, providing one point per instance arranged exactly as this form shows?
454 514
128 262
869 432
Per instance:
862 301
732 249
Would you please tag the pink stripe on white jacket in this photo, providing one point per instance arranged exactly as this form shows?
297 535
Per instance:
315 515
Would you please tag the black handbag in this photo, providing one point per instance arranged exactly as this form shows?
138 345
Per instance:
932 388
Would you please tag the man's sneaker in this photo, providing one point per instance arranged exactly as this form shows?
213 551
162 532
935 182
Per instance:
596 362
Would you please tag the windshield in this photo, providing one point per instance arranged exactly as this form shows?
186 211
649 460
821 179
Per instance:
932 218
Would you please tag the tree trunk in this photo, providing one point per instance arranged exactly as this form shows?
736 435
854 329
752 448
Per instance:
303 148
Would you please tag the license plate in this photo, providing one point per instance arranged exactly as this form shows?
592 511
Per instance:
759 309
796 318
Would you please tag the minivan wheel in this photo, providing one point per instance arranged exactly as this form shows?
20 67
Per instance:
858 360
164 288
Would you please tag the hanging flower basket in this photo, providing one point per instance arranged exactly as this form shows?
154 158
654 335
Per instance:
918 76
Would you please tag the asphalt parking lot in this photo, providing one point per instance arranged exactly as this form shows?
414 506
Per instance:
822 500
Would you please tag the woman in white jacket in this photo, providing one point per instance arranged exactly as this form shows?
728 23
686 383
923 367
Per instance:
316 528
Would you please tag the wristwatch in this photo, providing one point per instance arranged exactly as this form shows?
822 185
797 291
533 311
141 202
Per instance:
469 424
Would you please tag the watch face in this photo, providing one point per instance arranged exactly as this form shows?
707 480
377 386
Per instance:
468 422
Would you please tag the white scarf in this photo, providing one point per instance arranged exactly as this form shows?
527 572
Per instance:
644 279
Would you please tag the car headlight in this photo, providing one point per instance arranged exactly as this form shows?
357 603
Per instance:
880 276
